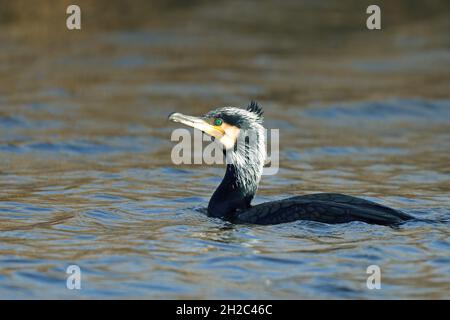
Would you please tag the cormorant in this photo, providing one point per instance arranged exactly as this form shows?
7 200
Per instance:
241 133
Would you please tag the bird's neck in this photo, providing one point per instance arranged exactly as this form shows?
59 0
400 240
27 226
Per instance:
230 196
242 176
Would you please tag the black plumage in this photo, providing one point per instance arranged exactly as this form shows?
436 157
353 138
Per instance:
322 207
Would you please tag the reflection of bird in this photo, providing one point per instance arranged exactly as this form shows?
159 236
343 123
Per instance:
241 133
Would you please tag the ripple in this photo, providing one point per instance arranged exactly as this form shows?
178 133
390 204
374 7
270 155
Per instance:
416 110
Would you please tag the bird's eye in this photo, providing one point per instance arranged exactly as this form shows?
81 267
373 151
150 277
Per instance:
218 122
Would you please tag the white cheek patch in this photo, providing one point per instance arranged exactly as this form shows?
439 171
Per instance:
227 142
229 138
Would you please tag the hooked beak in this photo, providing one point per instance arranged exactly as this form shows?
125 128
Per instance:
198 123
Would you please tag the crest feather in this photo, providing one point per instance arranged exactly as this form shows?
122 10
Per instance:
256 109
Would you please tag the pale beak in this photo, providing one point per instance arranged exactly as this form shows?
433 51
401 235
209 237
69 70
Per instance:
198 123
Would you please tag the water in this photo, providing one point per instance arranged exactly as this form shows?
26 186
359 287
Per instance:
85 170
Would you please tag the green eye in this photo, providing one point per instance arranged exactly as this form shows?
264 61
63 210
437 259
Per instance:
218 122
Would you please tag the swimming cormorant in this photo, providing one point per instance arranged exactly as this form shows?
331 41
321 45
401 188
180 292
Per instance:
241 133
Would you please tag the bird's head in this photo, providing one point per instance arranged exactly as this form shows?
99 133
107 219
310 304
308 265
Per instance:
242 135
227 125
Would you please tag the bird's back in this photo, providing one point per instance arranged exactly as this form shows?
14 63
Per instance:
322 207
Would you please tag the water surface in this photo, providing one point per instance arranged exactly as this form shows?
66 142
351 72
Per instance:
85 170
